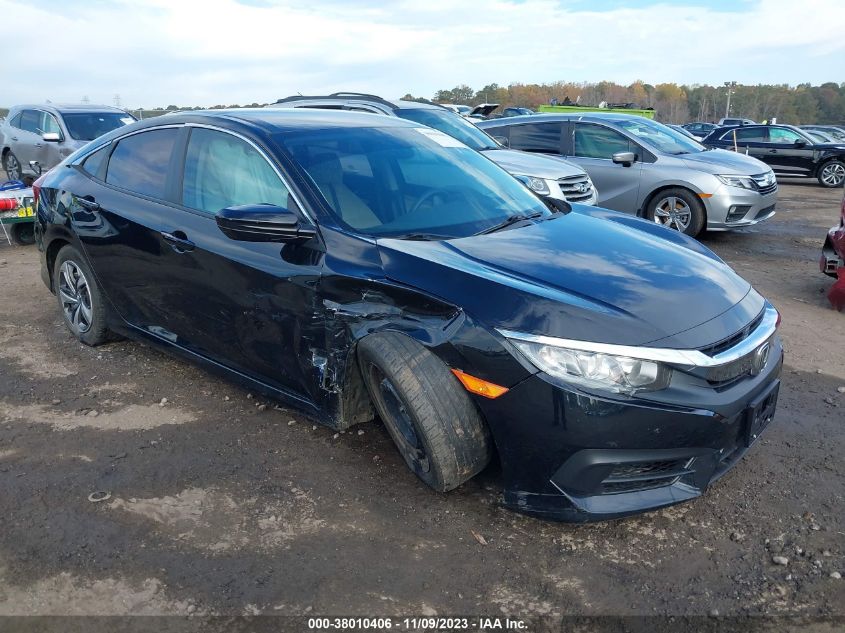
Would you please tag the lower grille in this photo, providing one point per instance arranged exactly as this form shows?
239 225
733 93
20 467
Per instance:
632 477
576 188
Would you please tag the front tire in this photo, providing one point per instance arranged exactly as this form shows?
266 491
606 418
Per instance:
678 209
22 233
80 299
832 174
12 166
430 417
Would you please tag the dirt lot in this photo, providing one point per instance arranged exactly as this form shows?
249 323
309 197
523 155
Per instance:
221 506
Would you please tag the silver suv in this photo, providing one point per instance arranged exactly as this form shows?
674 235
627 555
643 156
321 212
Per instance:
36 138
551 177
648 169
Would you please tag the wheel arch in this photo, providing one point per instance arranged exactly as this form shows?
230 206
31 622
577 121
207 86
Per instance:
50 254
641 212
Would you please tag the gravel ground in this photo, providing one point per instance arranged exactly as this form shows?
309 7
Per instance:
221 506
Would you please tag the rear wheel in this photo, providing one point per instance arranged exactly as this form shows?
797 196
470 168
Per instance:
832 174
430 417
678 209
22 233
12 166
80 299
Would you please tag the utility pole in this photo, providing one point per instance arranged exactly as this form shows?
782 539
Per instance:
730 85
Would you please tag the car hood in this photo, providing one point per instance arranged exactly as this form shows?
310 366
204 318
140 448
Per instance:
720 161
591 274
527 164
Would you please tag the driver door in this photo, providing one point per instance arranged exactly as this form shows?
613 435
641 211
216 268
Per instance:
783 154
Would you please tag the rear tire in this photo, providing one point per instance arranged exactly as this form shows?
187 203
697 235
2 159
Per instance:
429 415
832 174
80 299
22 233
678 209
12 165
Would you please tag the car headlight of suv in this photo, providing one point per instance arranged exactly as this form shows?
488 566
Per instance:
537 185
743 182
595 370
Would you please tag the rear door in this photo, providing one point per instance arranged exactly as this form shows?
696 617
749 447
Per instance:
26 138
749 140
119 214
592 148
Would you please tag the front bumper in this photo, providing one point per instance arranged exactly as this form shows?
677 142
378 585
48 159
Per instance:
733 207
572 456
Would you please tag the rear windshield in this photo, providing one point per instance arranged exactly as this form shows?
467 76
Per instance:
86 126
402 181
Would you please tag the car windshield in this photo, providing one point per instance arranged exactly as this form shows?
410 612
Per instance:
86 126
452 124
661 137
413 183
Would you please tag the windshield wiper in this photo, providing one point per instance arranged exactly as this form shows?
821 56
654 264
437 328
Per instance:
509 221
421 237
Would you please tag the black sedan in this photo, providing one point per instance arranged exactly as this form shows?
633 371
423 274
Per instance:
356 266
788 150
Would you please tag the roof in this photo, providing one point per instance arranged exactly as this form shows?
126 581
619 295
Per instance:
360 97
282 119
69 107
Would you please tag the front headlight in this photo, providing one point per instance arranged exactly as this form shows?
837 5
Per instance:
618 374
537 185
743 182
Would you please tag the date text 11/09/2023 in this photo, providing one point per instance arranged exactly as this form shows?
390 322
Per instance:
417 624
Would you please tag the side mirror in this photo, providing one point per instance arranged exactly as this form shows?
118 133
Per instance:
800 142
51 137
626 159
263 223
502 140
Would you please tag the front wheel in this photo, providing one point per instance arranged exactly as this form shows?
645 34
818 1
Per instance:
430 417
678 209
80 299
22 233
832 174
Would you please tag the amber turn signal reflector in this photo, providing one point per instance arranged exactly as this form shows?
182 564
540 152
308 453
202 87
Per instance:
481 387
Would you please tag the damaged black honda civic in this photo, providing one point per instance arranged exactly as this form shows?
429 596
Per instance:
357 266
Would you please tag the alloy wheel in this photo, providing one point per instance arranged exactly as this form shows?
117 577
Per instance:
75 296
13 167
674 213
833 174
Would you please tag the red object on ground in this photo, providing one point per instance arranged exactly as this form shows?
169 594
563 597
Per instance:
836 294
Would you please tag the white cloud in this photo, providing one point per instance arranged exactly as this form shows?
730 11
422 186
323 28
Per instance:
157 52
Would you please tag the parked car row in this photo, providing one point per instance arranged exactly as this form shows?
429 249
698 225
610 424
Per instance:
647 169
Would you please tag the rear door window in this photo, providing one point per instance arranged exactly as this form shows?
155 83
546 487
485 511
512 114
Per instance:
30 121
597 141
748 134
222 170
140 163
543 138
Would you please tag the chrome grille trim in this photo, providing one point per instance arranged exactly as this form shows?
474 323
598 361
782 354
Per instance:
681 357
570 187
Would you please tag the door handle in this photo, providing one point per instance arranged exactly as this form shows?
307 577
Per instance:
178 241
14 138
38 145
88 203
773 151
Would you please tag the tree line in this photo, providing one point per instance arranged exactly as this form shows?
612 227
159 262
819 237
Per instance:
673 103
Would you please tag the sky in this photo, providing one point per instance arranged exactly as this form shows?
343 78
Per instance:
155 53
